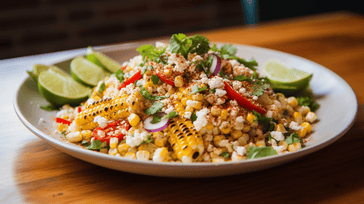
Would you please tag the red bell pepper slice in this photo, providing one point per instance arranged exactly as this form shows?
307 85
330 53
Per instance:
111 127
132 79
63 121
163 77
233 95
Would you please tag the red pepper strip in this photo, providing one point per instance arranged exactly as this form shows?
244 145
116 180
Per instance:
124 67
79 109
233 95
63 121
132 79
163 77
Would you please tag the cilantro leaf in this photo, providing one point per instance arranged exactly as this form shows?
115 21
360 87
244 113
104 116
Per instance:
213 90
102 87
227 51
293 138
243 78
196 89
251 64
148 140
97 144
170 115
309 102
156 106
223 75
155 79
120 75
145 93
268 123
156 119
258 89
151 53
181 44
193 117
258 152
64 133
225 154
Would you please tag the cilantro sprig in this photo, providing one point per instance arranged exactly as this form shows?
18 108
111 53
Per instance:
156 106
95 145
205 65
181 44
145 93
268 123
258 152
196 89
152 53
157 118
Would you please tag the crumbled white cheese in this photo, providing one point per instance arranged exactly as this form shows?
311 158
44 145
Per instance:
180 62
137 138
187 115
201 120
294 126
101 121
234 62
241 150
220 101
157 155
216 82
255 98
186 159
191 103
242 90
234 102
101 133
169 110
237 85
279 149
277 135
220 92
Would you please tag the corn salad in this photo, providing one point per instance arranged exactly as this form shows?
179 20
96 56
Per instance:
211 117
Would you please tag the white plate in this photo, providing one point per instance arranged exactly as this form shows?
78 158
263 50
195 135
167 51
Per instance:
336 115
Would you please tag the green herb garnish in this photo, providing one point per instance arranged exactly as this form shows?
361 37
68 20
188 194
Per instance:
156 106
268 123
120 75
97 144
49 107
196 89
293 138
225 154
102 87
148 140
155 79
181 44
258 152
193 117
151 53
145 93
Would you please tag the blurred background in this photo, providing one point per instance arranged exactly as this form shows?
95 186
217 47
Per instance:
31 27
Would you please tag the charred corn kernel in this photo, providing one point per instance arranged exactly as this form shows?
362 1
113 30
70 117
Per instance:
62 127
161 155
302 132
215 111
236 134
74 136
260 143
225 130
180 95
197 97
104 150
133 119
210 126
178 81
311 117
307 126
113 142
246 128
111 109
184 139
183 101
224 114
123 148
297 117
96 98
217 140
130 155
283 143
189 109
292 101
250 118
113 151
280 128
142 155
294 147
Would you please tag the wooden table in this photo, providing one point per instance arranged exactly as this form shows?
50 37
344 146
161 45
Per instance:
33 171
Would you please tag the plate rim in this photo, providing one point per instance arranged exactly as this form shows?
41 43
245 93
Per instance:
292 155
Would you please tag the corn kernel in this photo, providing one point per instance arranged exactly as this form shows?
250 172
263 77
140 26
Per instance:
113 151
280 128
160 155
168 72
217 139
114 142
74 136
178 81
311 117
189 109
283 143
294 147
250 118
215 111
225 130
130 155
104 150
123 148
302 132
307 126
197 105
210 126
292 101
180 95
246 128
260 143
142 155
297 117
133 119
236 134
86 134
183 101
62 127
224 114
197 97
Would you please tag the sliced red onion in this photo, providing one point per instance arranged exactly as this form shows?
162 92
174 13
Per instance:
216 64
150 127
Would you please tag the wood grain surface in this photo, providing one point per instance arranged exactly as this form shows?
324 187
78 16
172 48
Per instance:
32 171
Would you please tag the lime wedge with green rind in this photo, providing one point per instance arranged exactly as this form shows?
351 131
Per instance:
284 78
103 61
86 72
59 89
38 68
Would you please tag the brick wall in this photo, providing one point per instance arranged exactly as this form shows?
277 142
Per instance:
38 26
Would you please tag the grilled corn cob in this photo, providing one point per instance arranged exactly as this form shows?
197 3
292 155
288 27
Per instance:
111 109
184 139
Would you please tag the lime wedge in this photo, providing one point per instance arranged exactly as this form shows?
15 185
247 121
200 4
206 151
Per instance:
103 61
284 78
86 72
58 88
